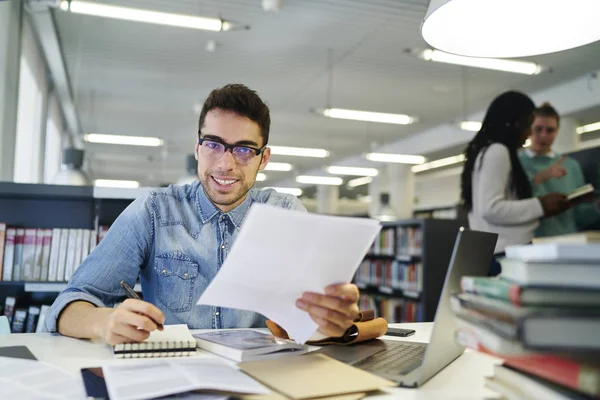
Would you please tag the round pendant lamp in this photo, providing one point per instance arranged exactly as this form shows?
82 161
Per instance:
510 28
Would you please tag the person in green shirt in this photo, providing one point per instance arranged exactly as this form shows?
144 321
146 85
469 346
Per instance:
551 172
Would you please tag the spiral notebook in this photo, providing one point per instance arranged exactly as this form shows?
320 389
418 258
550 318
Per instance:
173 341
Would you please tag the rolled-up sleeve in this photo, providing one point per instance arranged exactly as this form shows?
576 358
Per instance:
119 256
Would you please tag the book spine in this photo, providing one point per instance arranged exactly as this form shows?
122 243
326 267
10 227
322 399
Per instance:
492 287
28 259
2 244
42 319
18 256
37 258
71 253
32 319
9 308
46 246
9 252
93 240
62 256
85 247
54 248
18 325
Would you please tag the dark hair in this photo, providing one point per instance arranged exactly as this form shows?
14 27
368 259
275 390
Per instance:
242 101
546 110
507 117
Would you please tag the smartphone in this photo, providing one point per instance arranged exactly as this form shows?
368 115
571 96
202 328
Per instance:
400 332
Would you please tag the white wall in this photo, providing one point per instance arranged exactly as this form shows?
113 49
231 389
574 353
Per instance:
438 188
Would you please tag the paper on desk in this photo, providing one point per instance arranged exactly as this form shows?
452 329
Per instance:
279 254
28 379
155 378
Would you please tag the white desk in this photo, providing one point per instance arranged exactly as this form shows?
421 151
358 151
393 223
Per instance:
461 380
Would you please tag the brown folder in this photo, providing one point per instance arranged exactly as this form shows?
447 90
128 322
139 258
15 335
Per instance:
313 376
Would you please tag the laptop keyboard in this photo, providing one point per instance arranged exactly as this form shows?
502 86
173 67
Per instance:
398 358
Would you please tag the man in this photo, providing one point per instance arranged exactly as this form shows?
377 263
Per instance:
176 239
550 172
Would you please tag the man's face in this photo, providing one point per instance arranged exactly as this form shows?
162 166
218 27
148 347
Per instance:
543 133
225 180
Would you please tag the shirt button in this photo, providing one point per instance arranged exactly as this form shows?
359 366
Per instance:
223 246
217 314
164 271
185 274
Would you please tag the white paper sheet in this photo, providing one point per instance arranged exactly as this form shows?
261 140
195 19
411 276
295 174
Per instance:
145 379
29 379
279 254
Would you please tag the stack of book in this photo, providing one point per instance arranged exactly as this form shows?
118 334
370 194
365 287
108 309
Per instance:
542 316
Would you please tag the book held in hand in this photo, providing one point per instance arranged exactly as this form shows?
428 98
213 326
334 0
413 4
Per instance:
246 344
173 341
580 192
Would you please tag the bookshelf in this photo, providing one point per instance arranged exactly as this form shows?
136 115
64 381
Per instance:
56 206
402 275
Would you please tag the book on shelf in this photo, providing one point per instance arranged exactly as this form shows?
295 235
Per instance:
172 341
19 320
9 253
530 295
587 237
247 345
37 258
537 327
33 314
71 249
2 244
41 324
28 258
18 255
62 255
45 258
9 308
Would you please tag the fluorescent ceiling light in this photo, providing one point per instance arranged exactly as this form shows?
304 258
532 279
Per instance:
439 163
478 28
352 171
395 158
471 126
261 177
369 116
364 199
518 67
293 191
114 183
319 180
589 128
278 166
298 151
126 140
359 181
139 15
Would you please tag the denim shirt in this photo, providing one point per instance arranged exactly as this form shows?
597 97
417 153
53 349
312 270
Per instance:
175 239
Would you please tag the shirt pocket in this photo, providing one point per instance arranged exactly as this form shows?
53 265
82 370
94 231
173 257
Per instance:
175 282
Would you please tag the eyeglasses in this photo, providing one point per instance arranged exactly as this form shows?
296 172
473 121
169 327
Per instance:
215 150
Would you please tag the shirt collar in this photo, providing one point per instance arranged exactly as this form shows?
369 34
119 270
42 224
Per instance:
531 154
208 210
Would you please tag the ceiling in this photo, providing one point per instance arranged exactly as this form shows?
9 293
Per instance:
140 79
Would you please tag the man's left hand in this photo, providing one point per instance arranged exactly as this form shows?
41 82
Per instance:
334 311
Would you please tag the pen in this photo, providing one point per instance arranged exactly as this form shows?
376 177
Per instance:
129 292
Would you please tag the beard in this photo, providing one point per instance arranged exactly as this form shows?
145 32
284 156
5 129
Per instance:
225 196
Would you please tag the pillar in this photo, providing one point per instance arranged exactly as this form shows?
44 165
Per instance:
401 183
327 199
10 50
567 139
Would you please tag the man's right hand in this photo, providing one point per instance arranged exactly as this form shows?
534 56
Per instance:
554 203
132 321
556 170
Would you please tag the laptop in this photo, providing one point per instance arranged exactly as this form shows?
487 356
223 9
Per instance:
411 364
